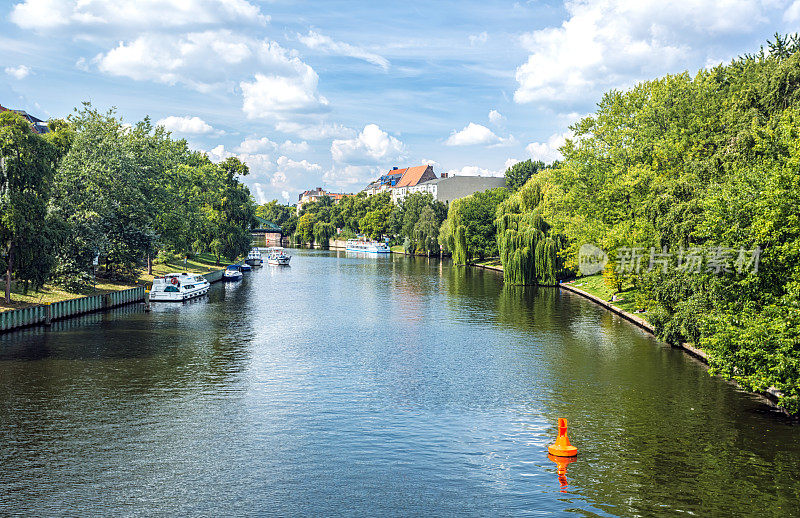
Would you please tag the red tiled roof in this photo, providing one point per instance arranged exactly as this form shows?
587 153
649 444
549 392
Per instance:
412 176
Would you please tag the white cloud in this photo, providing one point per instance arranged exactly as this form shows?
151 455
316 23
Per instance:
276 97
261 165
347 176
495 117
255 144
318 131
372 145
286 163
208 60
792 14
430 162
548 151
94 15
611 43
472 170
509 162
260 195
285 196
478 39
476 134
187 125
278 179
316 41
18 72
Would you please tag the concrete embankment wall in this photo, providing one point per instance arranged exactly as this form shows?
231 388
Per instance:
214 276
47 313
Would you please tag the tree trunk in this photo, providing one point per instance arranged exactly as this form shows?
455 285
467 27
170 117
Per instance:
9 269
149 264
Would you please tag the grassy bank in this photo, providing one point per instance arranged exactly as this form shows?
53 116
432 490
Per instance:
596 286
202 263
491 262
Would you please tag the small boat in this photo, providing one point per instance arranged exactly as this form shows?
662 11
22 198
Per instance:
244 267
277 256
369 247
177 287
232 273
254 257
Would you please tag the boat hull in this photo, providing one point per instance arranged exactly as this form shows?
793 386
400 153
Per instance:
177 297
363 251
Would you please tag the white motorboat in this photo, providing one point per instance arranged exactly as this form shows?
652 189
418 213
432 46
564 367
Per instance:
254 257
369 247
232 273
177 287
277 256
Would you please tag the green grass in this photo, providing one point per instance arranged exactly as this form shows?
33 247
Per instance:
490 261
595 285
397 249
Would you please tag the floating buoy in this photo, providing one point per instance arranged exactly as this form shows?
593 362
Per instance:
562 447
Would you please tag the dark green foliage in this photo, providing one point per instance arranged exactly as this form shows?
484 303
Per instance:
477 214
521 172
26 175
323 232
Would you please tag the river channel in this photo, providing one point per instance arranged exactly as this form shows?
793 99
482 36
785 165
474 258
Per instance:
364 386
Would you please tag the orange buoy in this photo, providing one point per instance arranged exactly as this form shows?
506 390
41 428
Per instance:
562 463
562 447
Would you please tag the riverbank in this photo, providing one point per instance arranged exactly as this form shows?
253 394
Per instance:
202 264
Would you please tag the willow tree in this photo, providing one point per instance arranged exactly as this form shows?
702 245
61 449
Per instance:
529 251
323 232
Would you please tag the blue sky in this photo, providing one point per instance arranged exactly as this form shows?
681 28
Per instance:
331 93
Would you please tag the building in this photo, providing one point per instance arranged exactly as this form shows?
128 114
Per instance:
401 179
316 194
447 189
38 125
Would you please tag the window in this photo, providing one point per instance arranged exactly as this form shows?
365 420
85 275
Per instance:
171 289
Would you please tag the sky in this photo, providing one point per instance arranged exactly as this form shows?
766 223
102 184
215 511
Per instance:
333 93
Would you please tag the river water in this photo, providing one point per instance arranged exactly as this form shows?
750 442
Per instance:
363 386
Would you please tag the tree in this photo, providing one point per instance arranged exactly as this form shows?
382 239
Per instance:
305 227
426 231
375 223
26 173
521 172
477 214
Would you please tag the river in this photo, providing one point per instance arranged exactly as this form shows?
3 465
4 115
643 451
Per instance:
365 386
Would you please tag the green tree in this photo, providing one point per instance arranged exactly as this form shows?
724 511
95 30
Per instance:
26 172
426 231
519 173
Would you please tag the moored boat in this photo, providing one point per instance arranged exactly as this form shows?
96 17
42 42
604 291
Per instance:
254 257
177 287
244 267
277 256
232 273
369 247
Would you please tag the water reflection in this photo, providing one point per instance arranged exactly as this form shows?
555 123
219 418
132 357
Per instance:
375 385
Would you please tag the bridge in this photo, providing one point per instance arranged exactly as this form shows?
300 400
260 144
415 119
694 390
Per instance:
272 233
